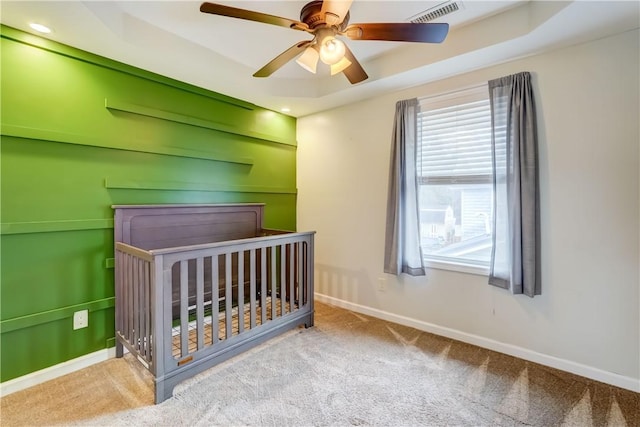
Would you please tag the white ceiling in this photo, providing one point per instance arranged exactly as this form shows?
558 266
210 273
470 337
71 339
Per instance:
175 39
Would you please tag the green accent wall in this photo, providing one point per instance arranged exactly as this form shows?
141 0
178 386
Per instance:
81 133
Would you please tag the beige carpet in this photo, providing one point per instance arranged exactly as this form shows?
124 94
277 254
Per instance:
347 370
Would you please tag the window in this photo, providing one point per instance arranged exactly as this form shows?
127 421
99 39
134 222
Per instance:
455 178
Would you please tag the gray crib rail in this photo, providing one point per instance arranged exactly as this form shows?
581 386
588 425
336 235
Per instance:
233 295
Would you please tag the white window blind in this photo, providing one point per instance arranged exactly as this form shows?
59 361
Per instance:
455 175
455 134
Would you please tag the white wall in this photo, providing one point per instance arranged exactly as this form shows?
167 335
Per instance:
587 319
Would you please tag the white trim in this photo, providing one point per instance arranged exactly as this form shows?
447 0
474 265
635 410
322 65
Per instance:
611 378
52 372
617 380
478 270
445 99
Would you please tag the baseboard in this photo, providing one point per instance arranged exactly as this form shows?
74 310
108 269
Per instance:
56 371
621 381
512 350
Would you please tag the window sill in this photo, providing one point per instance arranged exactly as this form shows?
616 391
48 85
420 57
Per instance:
457 267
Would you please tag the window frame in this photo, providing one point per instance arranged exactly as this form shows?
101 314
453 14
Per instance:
459 97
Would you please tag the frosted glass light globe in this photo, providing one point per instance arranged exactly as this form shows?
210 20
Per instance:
332 50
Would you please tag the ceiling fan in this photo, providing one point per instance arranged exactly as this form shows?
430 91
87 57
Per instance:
326 20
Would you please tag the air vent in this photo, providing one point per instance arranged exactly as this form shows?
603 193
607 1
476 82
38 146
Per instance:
437 11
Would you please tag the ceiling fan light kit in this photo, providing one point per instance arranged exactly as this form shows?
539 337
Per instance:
326 20
332 50
309 59
340 66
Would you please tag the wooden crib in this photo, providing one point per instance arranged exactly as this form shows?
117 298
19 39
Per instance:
198 284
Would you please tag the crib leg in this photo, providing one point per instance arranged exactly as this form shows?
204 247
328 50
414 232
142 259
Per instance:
119 349
308 323
164 387
161 395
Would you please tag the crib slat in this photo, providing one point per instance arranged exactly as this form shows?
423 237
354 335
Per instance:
128 305
252 288
215 299
141 308
304 276
283 279
307 255
134 301
200 301
184 308
228 297
300 275
292 254
273 282
240 307
263 286
136 304
146 313
125 309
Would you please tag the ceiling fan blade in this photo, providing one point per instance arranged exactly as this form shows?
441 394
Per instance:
249 15
354 72
335 10
282 59
399 32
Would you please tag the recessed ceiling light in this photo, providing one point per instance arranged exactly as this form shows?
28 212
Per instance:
285 109
40 28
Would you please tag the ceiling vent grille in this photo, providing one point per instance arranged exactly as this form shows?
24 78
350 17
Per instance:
437 12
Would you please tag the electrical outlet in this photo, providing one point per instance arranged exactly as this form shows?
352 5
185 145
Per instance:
382 284
80 319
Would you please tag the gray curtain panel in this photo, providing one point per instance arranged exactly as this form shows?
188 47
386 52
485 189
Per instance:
515 260
402 252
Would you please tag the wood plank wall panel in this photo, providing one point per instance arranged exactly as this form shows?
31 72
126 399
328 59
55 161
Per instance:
89 133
